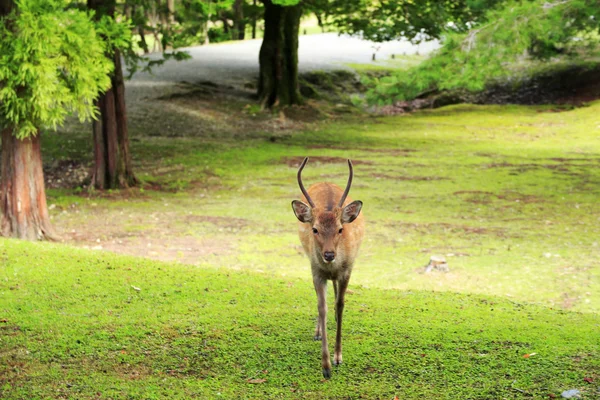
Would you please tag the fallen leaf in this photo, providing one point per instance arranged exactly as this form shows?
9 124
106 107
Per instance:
529 355
137 289
254 381
588 379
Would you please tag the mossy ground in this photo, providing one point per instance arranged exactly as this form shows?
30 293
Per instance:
507 193
82 325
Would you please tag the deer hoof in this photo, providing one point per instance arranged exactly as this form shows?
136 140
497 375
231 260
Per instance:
337 362
326 373
317 337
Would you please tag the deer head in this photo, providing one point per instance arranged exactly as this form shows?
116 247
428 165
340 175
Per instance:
327 221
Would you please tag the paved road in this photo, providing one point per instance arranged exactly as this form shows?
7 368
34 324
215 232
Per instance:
235 63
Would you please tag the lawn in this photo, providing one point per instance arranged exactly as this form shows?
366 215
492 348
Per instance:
508 194
78 324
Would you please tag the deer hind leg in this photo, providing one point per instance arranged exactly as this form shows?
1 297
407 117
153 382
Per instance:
321 289
339 311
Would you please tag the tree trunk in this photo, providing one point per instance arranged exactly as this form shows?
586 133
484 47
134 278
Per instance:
112 167
23 196
239 23
6 6
254 20
320 22
278 58
112 160
171 11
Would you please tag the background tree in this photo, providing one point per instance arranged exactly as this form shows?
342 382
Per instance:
382 21
516 37
278 58
112 167
52 62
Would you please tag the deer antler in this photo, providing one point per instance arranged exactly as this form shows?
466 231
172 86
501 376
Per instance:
304 192
348 185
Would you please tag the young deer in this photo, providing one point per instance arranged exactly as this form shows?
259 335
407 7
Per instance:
331 229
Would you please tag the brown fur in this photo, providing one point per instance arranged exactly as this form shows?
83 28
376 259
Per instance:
328 221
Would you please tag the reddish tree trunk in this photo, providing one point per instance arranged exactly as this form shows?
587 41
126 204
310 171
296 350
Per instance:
112 159
112 166
23 197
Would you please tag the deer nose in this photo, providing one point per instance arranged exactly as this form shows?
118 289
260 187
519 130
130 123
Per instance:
329 256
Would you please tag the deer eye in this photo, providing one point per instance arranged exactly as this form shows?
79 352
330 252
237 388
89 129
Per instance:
340 231
315 231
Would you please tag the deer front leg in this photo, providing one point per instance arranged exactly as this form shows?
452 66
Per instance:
321 289
339 310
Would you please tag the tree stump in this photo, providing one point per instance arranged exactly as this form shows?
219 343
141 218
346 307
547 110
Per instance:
437 263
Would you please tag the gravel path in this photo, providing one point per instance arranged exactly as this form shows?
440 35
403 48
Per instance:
235 63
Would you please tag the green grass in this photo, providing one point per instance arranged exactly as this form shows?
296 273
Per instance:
399 62
80 325
508 194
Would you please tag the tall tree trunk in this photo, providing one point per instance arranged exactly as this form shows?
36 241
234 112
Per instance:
254 20
239 23
171 11
278 58
112 160
23 196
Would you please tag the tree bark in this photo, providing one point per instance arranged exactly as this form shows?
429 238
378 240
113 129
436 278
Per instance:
278 58
23 196
254 20
171 11
112 159
239 23
6 7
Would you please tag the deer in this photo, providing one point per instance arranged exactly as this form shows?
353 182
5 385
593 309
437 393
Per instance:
331 229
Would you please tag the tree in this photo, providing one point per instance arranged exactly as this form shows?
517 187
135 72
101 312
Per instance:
516 37
52 62
382 21
278 58
112 167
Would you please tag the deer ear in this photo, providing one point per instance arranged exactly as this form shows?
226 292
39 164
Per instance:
351 211
302 211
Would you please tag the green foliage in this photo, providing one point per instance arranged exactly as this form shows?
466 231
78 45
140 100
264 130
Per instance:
52 62
286 3
518 34
192 16
382 21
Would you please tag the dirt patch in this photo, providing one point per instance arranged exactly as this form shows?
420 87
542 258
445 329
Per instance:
428 228
296 161
185 249
407 178
392 152
481 197
223 222
68 174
